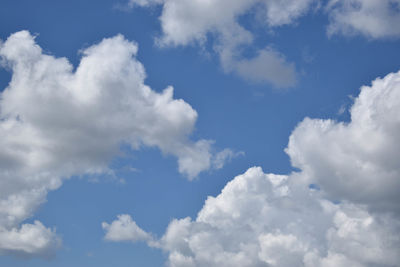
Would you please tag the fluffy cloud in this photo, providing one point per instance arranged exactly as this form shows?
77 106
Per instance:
194 22
262 219
356 161
125 229
56 122
187 22
266 220
29 239
372 18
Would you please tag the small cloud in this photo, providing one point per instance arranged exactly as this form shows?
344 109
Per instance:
126 229
225 156
342 109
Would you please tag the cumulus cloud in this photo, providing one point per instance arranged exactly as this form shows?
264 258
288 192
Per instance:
262 219
356 161
189 22
340 209
57 121
372 18
194 22
29 239
125 229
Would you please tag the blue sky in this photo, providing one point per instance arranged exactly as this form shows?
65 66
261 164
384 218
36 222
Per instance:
152 158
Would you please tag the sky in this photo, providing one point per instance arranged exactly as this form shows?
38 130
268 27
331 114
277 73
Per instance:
200 133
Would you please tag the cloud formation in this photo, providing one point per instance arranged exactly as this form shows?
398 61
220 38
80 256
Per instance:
372 18
340 209
189 22
356 161
263 219
125 229
194 22
57 122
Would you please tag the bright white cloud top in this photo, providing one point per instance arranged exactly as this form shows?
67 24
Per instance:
356 161
57 122
125 229
348 217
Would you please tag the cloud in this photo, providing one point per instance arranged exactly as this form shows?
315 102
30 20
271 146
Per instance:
187 21
57 122
340 209
143 3
268 65
225 156
356 161
372 18
125 229
29 239
285 12
261 219
193 22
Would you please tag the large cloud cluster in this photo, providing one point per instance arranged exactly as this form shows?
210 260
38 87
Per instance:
340 209
57 122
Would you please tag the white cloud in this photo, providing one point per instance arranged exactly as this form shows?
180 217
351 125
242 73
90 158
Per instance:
194 22
372 18
125 229
281 250
253 222
57 122
143 3
189 22
225 156
262 219
281 12
356 161
268 65
29 239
